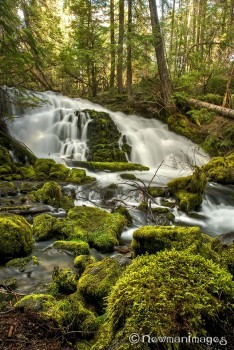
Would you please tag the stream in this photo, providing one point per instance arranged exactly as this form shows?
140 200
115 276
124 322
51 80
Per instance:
55 130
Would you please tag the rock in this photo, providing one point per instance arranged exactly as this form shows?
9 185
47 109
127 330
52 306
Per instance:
43 227
122 249
220 169
226 238
75 247
122 260
7 189
27 264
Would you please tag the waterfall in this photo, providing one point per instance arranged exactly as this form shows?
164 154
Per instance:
59 128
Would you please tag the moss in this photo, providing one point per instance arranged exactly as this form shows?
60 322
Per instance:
50 194
123 211
171 293
128 176
58 172
8 282
15 236
65 280
5 158
43 227
35 302
188 190
220 169
227 258
23 263
81 262
64 228
97 280
152 239
27 172
5 169
100 228
77 176
43 166
158 192
26 187
181 125
112 166
143 206
76 247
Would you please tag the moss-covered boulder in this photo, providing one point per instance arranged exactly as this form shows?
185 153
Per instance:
59 172
220 169
183 126
97 280
152 239
77 176
127 176
161 216
5 169
64 280
98 227
15 237
27 172
171 293
111 166
75 247
188 190
7 189
42 167
103 138
24 264
123 211
43 227
81 262
158 191
5 158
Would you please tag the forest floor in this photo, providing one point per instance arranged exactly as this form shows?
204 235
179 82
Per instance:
28 330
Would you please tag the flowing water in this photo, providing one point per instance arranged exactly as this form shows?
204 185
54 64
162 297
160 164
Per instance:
58 129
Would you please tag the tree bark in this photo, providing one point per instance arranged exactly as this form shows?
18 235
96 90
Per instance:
112 42
120 47
225 112
129 50
161 59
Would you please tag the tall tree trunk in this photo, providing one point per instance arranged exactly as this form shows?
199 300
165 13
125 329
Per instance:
161 59
129 50
112 42
120 47
228 95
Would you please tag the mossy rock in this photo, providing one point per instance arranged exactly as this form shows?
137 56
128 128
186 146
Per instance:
162 216
123 211
24 264
35 302
50 194
171 293
58 172
77 176
27 172
128 176
26 187
43 166
76 247
81 262
65 280
5 169
188 190
97 280
158 192
220 169
152 239
5 158
181 125
15 236
43 227
7 189
98 227
111 166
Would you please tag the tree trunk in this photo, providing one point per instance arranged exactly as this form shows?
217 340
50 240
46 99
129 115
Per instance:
120 47
228 96
112 43
161 59
129 50
225 112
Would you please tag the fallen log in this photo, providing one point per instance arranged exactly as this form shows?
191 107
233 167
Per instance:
225 112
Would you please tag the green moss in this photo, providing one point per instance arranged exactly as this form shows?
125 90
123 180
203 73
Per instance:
97 280
123 211
143 206
7 188
26 187
128 176
15 236
188 190
27 172
43 166
181 125
81 262
65 280
5 169
220 169
76 247
98 227
157 192
58 172
171 293
112 166
227 258
43 225
35 302
23 263
50 194
77 176
5 158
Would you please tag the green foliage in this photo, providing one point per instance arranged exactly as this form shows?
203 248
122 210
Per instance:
43 227
220 169
171 293
212 98
97 280
201 116
15 236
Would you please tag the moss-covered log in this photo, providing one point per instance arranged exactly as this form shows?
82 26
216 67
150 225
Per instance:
225 112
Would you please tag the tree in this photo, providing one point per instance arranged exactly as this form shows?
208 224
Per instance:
120 48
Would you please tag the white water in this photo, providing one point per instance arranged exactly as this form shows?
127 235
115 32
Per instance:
58 129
